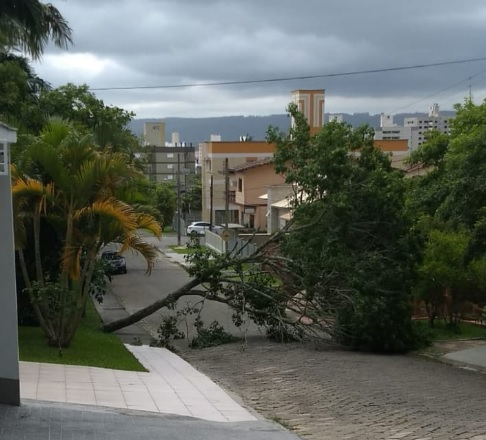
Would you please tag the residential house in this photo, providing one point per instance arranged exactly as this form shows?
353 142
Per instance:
213 156
251 180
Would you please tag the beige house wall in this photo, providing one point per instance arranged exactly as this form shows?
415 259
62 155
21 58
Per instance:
254 183
212 157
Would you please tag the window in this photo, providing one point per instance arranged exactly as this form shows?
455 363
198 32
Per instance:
170 155
170 177
3 159
170 167
240 185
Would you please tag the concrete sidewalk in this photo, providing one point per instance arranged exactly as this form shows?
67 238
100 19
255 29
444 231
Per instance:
474 357
170 386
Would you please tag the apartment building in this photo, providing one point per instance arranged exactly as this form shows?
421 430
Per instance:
165 161
414 128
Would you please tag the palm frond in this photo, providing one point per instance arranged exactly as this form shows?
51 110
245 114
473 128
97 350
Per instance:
147 250
149 223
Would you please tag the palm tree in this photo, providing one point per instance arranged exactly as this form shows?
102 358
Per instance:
74 186
28 25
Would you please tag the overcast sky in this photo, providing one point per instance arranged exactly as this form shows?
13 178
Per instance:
137 43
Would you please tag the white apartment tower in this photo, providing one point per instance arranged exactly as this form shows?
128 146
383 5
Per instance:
425 123
414 128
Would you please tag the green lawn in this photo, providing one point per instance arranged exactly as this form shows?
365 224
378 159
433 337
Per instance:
463 331
90 347
180 249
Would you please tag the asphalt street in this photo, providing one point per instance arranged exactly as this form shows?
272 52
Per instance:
136 290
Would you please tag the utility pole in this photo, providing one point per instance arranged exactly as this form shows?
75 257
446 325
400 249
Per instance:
178 199
211 203
226 189
226 202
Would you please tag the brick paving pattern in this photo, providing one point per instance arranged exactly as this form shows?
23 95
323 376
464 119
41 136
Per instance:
332 394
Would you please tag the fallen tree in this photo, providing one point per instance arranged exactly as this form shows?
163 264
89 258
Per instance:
260 286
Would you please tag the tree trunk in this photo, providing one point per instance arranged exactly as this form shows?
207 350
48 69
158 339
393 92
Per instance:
152 308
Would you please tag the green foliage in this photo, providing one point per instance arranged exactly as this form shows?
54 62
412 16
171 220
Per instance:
19 92
167 333
165 200
28 25
192 198
448 204
211 336
90 347
80 106
350 243
443 331
65 185
100 279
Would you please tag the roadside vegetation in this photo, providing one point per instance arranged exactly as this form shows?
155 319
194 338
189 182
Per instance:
89 347
441 331
367 249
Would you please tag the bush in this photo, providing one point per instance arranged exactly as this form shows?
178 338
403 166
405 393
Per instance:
380 324
212 336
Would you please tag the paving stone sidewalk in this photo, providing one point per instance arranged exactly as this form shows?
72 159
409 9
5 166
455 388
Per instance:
331 394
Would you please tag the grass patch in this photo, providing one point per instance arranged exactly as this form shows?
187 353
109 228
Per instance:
180 249
441 332
89 347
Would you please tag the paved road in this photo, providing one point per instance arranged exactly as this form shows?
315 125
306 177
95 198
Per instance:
136 290
329 394
332 394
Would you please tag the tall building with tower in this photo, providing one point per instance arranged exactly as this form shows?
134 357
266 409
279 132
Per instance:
311 104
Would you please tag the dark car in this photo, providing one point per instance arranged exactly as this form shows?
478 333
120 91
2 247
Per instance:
116 262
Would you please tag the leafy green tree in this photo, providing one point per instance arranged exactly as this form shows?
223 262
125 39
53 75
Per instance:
165 200
351 247
192 198
89 114
443 275
68 182
28 25
452 195
19 93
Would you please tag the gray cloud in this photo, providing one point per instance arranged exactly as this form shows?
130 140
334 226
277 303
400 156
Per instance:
169 42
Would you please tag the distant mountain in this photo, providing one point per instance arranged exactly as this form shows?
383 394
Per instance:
230 128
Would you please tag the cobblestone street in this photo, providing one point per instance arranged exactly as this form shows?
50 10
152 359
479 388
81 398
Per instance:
336 395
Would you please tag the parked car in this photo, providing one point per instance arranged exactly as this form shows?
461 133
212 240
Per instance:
116 262
200 228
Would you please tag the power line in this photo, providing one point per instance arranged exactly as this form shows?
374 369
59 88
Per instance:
293 78
469 78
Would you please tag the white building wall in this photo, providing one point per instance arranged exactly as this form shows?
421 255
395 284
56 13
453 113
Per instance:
9 364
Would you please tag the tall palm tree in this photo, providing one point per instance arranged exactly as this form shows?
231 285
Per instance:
74 186
28 25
